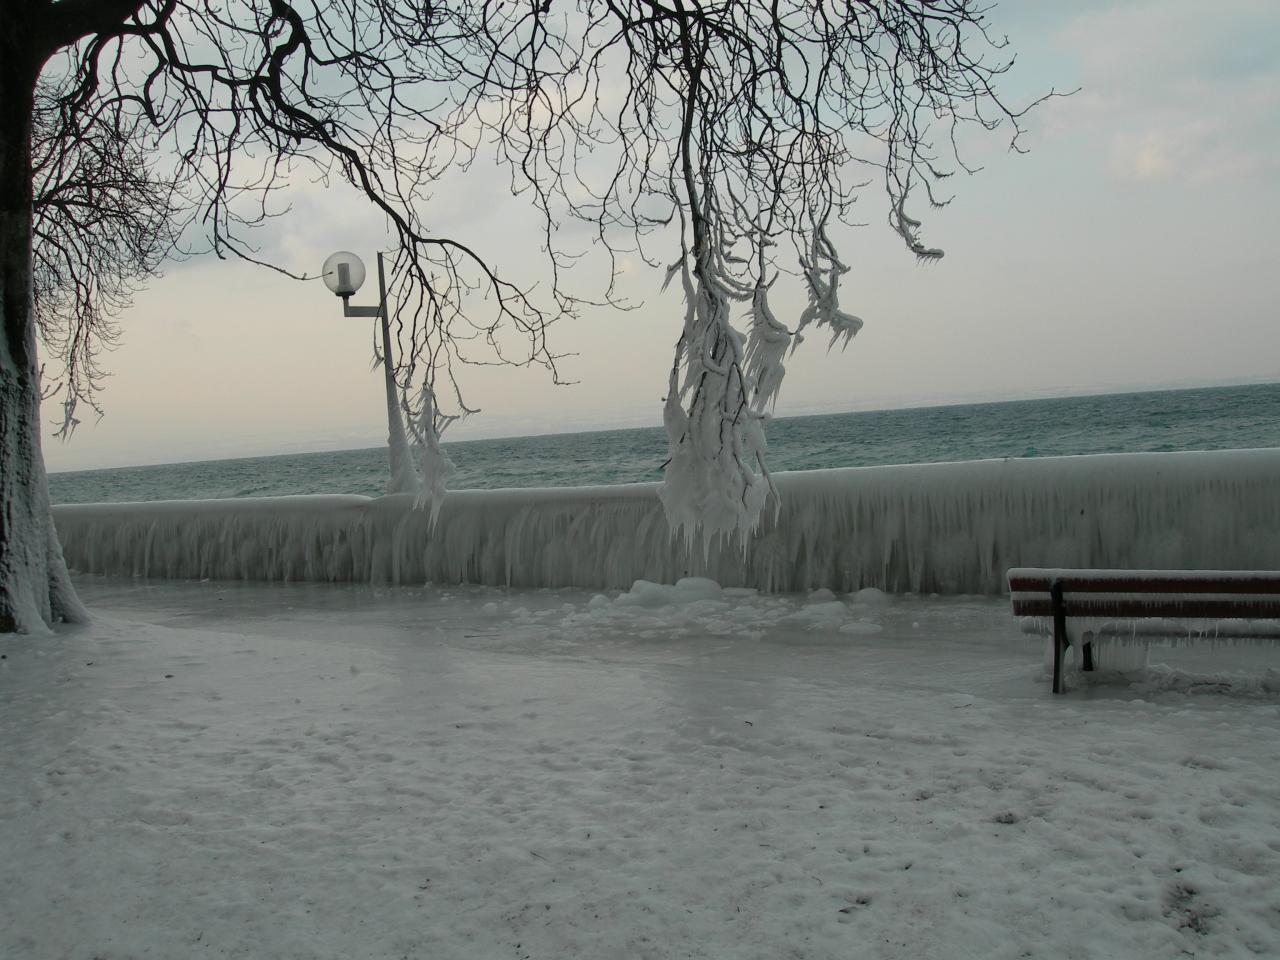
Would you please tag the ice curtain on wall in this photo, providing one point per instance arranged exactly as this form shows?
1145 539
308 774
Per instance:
930 528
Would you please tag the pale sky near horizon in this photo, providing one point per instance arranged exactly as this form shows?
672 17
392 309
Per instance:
1133 247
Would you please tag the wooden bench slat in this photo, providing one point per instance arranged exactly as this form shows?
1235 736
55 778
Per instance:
1137 582
1194 608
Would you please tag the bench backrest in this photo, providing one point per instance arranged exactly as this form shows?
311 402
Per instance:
1191 594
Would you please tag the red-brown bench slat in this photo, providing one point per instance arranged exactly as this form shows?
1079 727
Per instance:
1191 608
1136 581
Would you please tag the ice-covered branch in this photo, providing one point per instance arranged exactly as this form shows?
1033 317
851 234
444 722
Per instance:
908 229
435 466
716 445
822 271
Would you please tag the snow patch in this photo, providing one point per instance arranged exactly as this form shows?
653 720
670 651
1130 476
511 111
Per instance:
861 628
687 590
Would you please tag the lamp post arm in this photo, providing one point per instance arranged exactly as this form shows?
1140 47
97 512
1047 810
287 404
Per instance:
364 311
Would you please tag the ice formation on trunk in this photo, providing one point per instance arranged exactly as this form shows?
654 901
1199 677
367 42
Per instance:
403 476
437 468
715 485
723 385
944 528
35 590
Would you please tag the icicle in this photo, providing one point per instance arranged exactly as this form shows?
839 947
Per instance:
69 419
711 488
436 467
767 345
907 228
822 271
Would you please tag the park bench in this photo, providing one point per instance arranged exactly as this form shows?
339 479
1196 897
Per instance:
1228 605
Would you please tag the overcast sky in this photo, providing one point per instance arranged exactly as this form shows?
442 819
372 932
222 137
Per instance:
1134 246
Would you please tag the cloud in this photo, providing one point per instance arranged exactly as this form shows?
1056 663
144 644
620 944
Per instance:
1175 93
1198 151
1150 156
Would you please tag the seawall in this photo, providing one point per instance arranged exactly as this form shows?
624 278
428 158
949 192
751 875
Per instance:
930 528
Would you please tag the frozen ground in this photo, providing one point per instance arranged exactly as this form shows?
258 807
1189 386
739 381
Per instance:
231 770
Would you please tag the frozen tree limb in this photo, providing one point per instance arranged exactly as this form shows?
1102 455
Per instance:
730 130
742 127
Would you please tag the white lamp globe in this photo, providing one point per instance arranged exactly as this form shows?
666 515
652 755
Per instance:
343 273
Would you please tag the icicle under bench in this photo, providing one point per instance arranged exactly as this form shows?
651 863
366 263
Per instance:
1149 604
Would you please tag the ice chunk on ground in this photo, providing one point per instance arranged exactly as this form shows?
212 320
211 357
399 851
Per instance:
644 593
831 610
697 588
861 628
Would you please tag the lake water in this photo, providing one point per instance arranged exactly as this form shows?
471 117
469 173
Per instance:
1203 419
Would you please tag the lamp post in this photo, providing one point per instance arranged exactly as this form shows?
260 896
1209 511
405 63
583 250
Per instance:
343 274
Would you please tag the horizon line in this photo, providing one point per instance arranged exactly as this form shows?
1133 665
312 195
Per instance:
923 404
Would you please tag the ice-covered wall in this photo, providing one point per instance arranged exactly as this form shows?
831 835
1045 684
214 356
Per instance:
945 528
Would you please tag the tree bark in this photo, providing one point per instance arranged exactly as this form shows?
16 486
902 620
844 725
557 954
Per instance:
35 590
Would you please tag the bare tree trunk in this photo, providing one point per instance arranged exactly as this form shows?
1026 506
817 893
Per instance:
35 590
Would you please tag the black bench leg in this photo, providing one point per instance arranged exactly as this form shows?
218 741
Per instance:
1059 633
1087 652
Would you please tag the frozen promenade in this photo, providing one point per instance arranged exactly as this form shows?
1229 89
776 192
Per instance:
283 771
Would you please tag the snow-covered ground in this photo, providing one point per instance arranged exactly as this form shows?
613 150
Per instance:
278 771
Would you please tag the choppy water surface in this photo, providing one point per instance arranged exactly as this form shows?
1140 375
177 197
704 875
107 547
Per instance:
1206 419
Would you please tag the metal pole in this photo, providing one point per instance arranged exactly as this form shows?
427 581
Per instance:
393 400
1060 640
402 473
